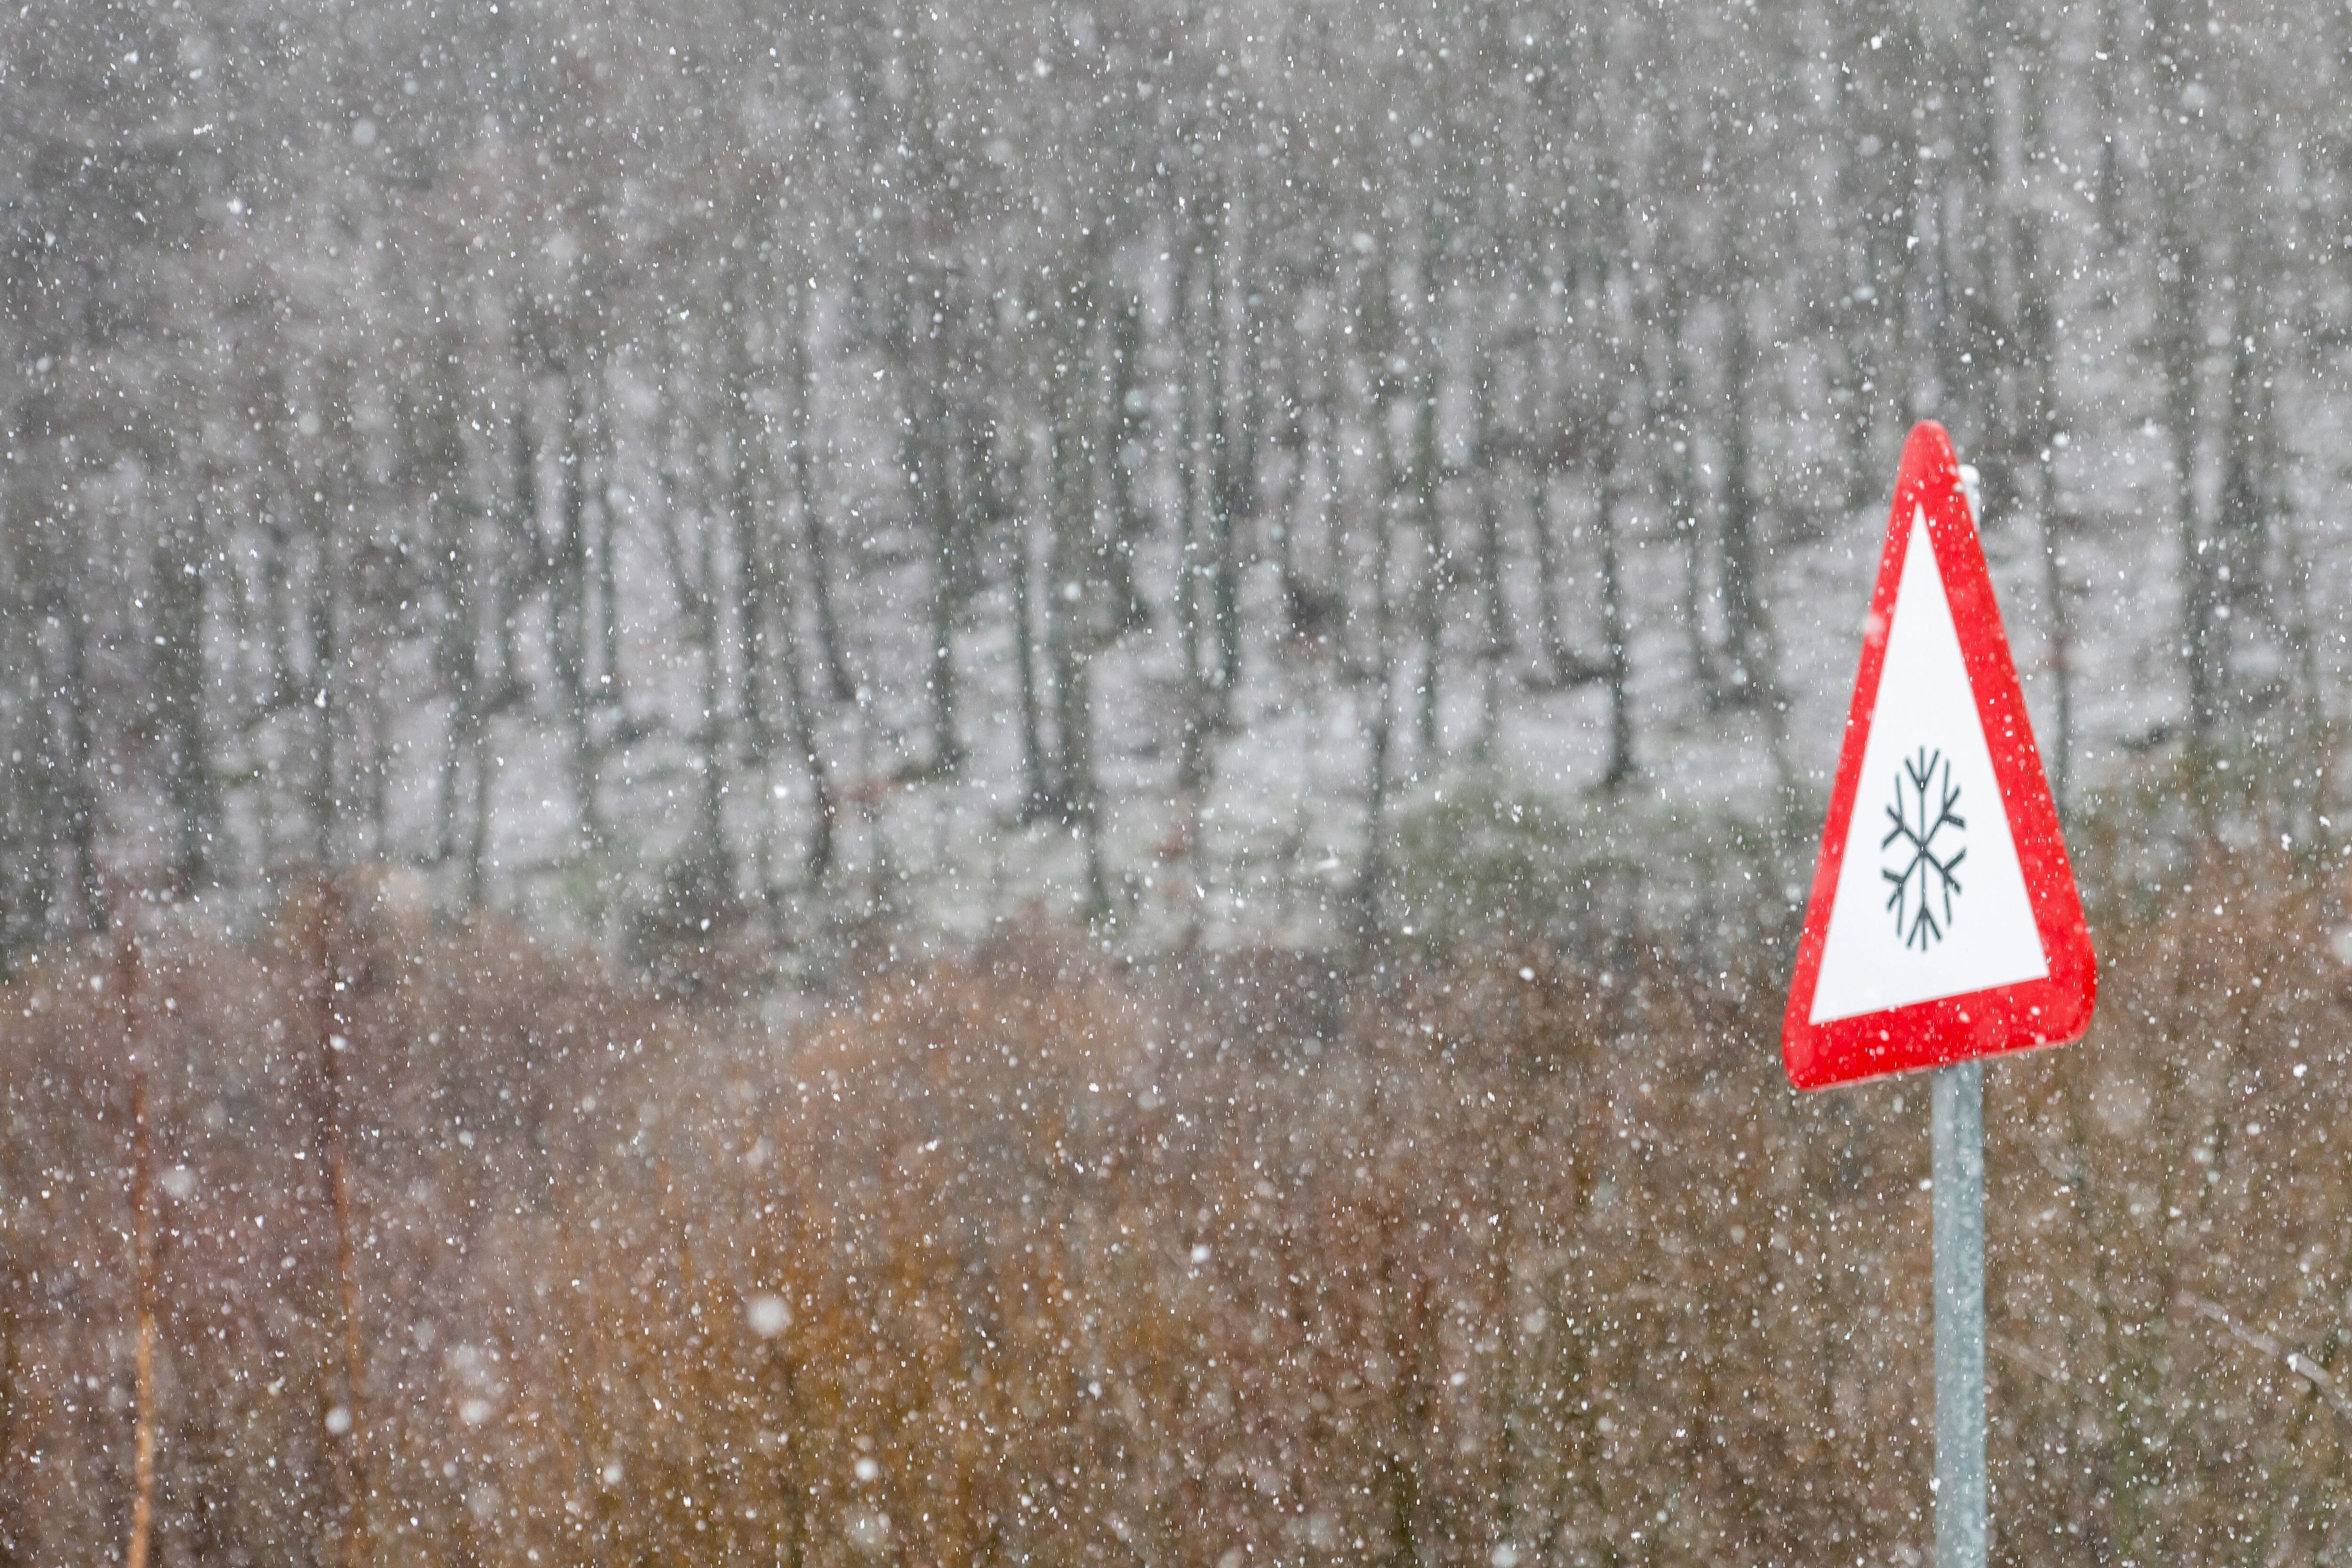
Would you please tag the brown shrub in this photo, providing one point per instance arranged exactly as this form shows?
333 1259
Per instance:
1019 1256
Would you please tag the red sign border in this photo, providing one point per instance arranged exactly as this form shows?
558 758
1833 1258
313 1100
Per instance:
2049 1011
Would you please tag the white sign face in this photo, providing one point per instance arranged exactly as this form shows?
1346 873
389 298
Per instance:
1930 900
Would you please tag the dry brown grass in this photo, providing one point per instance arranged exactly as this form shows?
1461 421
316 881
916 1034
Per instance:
1020 1257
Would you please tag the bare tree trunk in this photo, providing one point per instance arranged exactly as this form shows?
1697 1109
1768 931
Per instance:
818 857
27 859
2036 334
715 862
838 687
756 617
1195 458
80 791
478 836
1231 460
2241 524
1678 477
1970 343
380 753
1736 557
331 997
2106 61
1129 455
1494 646
568 631
1039 792
142 1246
613 689
512 525
1067 639
1428 516
1616 653
189 784
1372 874
2179 348
1560 666
457 656
2058 607
934 506
1315 609
324 805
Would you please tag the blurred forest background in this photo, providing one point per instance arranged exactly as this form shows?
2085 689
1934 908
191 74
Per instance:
455 1253
807 467
1026 782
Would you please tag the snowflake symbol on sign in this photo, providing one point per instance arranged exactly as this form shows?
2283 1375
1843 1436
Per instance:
1923 848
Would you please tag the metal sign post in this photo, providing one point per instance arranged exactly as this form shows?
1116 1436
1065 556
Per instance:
1945 925
1957 1138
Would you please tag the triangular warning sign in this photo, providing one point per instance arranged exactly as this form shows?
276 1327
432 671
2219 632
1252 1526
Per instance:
1944 923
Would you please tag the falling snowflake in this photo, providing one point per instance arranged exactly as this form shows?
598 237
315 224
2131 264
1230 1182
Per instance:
1923 848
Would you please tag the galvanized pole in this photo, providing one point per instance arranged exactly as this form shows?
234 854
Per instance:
1958 1144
